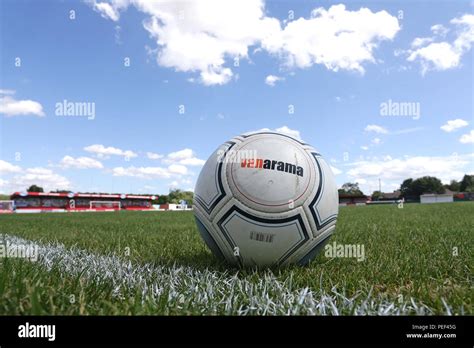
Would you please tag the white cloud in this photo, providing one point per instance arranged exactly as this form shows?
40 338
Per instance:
360 181
467 138
271 80
283 130
421 41
437 56
376 129
153 156
186 181
9 106
465 38
439 30
198 36
370 185
6 168
39 171
180 155
7 91
101 151
335 171
176 184
382 130
178 169
3 185
192 161
106 10
336 38
376 141
43 177
445 168
288 131
364 147
216 76
444 55
151 172
452 125
80 163
407 130
185 157
142 172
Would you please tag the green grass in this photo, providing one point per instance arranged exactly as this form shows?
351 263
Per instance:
409 264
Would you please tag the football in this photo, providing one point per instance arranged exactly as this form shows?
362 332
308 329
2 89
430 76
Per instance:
266 199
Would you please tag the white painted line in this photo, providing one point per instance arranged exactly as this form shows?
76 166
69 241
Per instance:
211 291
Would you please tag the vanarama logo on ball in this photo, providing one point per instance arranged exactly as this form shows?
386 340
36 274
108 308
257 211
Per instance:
260 163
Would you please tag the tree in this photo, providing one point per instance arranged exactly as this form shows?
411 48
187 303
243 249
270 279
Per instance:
350 188
376 195
406 188
467 183
187 196
425 184
34 188
454 186
162 199
176 196
428 184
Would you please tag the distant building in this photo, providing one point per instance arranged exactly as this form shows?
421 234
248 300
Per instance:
38 202
171 206
449 192
390 196
345 199
464 196
460 196
436 198
387 198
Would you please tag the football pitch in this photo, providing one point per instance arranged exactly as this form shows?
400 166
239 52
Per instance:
417 260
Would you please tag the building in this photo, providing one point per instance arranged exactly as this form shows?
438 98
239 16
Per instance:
35 202
345 199
436 198
463 196
387 198
171 206
390 196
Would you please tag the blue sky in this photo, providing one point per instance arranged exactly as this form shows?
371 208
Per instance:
159 117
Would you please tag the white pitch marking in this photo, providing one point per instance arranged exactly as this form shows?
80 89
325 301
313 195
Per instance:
210 291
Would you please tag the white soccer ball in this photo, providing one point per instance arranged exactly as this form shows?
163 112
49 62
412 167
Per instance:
266 199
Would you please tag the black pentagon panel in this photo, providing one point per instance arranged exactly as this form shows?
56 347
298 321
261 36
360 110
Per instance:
312 206
310 255
209 240
297 219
